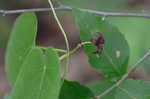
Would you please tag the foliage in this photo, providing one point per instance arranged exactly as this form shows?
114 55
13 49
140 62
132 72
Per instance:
135 37
105 5
19 45
107 62
33 81
129 89
34 72
75 90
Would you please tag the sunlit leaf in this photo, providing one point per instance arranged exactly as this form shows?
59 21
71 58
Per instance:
109 5
137 37
39 77
133 89
113 60
129 89
21 40
99 87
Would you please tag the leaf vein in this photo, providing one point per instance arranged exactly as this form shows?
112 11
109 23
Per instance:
124 90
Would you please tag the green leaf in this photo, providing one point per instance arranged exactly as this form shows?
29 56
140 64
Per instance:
39 77
147 97
113 60
129 89
103 5
74 90
52 78
98 87
133 89
21 40
137 37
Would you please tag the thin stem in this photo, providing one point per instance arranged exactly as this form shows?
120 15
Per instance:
56 49
60 50
67 8
9 12
74 50
65 37
133 67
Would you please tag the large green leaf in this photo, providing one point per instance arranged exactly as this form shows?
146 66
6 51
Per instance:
52 78
95 4
74 90
133 89
147 97
129 89
137 37
21 40
39 77
98 87
113 60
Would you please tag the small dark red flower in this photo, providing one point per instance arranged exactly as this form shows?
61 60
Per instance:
98 42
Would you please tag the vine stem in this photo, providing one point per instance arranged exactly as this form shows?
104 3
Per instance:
66 40
74 50
133 67
56 49
67 8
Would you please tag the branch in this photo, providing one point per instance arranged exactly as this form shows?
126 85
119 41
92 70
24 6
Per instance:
67 8
7 12
133 67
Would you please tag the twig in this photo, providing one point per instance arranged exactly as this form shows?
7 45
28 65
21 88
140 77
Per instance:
7 12
133 67
67 8
56 49
74 50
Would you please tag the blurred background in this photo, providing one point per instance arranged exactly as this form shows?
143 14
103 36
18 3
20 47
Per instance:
136 31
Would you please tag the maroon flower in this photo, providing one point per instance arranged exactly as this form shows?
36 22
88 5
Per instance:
98 42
